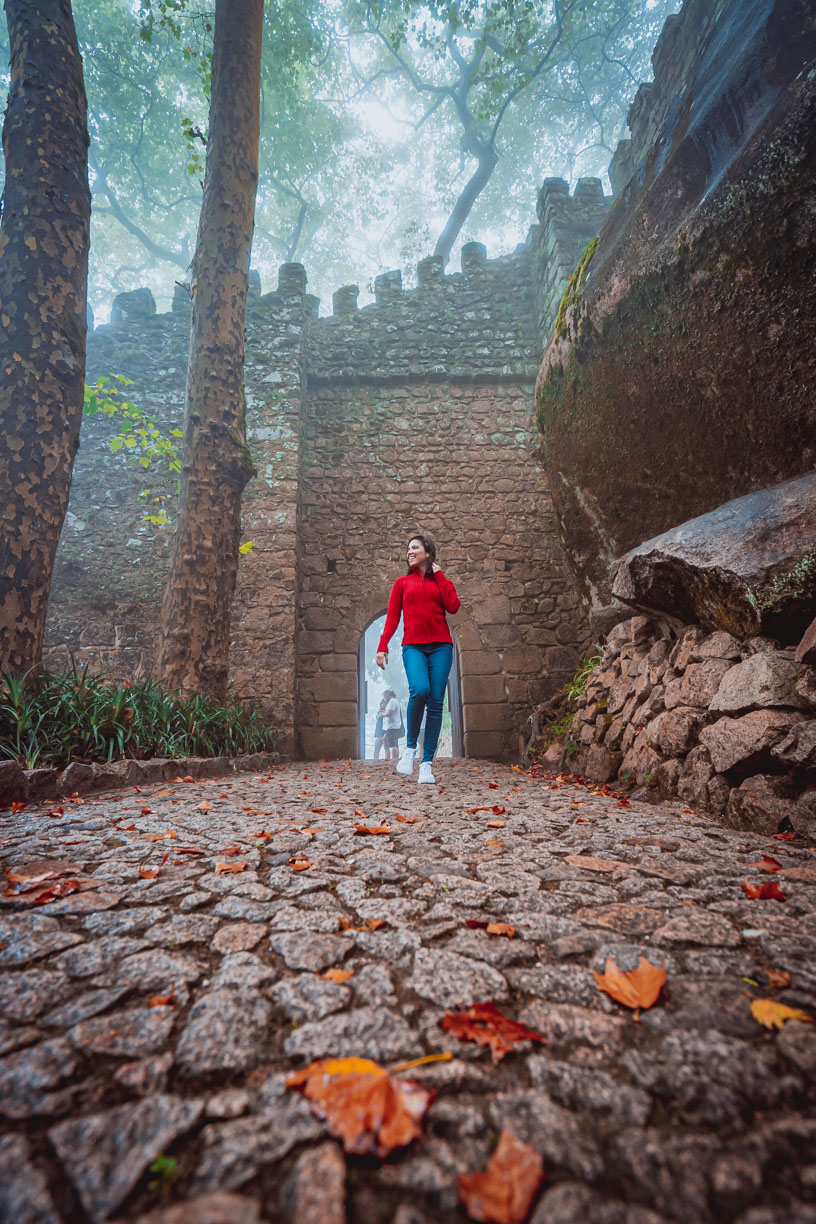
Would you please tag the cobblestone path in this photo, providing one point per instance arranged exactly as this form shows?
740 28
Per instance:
691 1112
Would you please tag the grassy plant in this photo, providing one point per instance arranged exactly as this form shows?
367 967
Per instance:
558 722
54 720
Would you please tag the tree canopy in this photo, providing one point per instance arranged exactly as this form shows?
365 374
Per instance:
389 128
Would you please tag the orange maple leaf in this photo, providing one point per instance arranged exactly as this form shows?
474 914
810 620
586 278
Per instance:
406 819
366 1108
504 1192
774 1015
224 868
637 988
487 1026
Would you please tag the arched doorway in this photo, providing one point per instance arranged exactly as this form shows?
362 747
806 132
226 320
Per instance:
372 683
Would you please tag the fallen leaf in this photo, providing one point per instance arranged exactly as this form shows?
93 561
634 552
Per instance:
223 868
233 850
773 1014
381 830
147 811
17 805
496 824
406 819
57 811
476 924
149 873
166 1000
504 1192
767 863
263 836
366 1108
318 811
493 842
204 806
590 863
498 810
31 875
487 1026
783 836
300 864
493 785
337 975
764 892
638 988
61 889
778 978
190 850
501 928
624 803
473 811
370 924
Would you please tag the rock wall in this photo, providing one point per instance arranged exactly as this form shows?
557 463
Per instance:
684 373
414 412
727 725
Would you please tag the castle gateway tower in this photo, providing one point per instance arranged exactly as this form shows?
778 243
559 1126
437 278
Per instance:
413 413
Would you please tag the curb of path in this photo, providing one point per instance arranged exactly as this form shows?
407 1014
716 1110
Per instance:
80 778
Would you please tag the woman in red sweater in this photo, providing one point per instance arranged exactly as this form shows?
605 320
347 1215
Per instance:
422 597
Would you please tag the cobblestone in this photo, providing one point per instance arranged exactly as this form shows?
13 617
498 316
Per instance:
691 1112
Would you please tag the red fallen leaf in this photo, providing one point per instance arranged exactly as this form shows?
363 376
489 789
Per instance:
493 785
149 873
382 830
368 1110
147 811
476 924
17 805
166 857
783 836
764 892
496 824
57 811
504 1192
639 988
300 864
124 828
487 1026
318 811
501 928
624 803
232 850
767 863
406 819
61 889
162 1000
498 810
190 850
263 836
494 843
223 868
778 978
204 806
473 811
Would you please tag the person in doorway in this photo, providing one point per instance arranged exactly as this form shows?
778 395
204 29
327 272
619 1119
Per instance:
379 734
392 721
422 597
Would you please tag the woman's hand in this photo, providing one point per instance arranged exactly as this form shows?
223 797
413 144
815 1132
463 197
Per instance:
382 658
436 567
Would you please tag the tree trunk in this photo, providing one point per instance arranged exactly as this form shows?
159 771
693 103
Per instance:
193 651
461 209
44 240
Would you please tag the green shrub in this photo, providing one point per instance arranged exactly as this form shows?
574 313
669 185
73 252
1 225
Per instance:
558 722
76 717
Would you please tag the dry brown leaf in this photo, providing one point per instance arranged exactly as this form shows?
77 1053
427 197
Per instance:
504 1192
204 806
778 978
224 868
62 888
149 873
639 988
496 824
33 875
498 810
501 928
767 863
763 892
166 1000
371 1112
494 842
190 850
774 1015
337 976
300 864
232 850
318 811
487 1026
370 924
406 819
375 830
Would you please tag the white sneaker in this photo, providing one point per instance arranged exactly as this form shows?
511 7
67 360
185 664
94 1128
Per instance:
426 773
405 765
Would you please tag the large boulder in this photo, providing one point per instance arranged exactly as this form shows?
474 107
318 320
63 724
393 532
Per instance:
748 567
746 743
766 679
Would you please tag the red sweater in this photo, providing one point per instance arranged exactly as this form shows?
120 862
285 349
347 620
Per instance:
423 602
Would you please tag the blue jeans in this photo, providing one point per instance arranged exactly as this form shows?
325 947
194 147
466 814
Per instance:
427 668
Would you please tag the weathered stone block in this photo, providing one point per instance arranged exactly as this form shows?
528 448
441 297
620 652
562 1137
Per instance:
40 784
76 778
479 662
330 686
338 713
601 765
490 717
12 782
698 685
522 659
490 744
765 679
675 731
798 749
760 804
746 742
331 743
495 610
338 662
483 688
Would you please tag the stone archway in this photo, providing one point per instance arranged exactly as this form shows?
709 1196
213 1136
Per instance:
454 693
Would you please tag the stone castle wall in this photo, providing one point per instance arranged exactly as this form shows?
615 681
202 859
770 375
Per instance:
414 412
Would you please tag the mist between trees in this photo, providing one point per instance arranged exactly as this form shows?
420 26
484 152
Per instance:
389 130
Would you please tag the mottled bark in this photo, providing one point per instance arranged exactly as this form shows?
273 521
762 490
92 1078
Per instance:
44 240
193 653
460 212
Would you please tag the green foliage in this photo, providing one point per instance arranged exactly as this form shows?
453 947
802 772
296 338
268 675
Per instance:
139 432
54 720
799 583
165 1168
558 722
577 686
574 287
